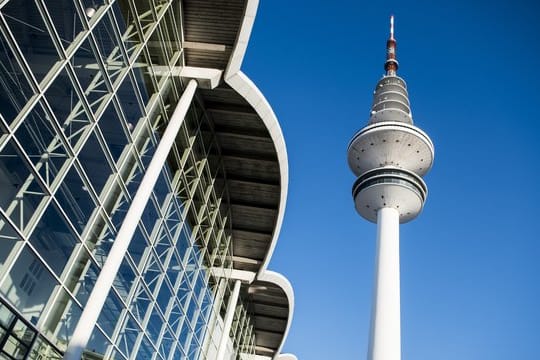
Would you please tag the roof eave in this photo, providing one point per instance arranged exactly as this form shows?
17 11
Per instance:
237 80
282 282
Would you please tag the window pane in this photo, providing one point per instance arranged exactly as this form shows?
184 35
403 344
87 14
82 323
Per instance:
128 336
28 285
67 108
111 127
43 350
62 320
21 194
53 239
110 313
65 20
41 143
32 36
73 197
13 83
108 47
95 163
10 242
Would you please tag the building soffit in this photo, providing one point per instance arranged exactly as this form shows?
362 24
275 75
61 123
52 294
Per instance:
216 34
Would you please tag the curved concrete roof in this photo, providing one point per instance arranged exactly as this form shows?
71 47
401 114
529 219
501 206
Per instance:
216 35
272 309
287 357
251 93
245 87
254 157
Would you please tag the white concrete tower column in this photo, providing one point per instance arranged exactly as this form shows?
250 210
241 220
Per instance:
104 282
227 322
385 339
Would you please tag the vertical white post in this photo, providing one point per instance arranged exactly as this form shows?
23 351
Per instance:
104 282
385 341
227 322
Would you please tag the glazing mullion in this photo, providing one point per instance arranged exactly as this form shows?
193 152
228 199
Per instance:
4 138
59 284
51 29
142 324
217 301
243 329
102 72
174 287
95 19
144 328
27 225
189 299
118 35
196 316
161 279
14 47
139 29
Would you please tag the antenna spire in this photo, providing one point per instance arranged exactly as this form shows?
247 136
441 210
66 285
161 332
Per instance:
392 27
391 63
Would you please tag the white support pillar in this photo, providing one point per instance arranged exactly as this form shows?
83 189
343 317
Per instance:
385 341
104 282
227 322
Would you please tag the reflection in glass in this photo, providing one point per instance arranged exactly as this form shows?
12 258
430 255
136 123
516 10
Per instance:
28 285
110 52
53 239
154 325
62 319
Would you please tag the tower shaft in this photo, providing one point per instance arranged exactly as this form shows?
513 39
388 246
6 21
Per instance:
385 337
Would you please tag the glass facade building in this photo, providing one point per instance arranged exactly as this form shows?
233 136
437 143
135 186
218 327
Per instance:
88 90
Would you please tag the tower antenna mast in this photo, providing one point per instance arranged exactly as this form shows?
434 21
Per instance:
391 64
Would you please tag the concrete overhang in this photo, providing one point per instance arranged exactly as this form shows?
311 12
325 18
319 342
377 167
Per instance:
254 155
252 146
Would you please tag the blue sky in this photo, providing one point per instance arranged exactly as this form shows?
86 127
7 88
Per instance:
470 266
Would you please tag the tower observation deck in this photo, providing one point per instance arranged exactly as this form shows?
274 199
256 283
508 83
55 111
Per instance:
389 156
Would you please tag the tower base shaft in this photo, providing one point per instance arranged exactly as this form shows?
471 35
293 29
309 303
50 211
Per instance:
385 341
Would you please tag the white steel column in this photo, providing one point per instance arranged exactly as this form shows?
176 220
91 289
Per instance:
385 342
227 322
104 282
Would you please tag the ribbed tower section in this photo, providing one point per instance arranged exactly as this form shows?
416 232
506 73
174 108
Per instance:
389 156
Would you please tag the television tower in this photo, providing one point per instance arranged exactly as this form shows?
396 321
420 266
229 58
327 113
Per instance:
389 156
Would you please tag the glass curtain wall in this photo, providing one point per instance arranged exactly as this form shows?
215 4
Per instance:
87 88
